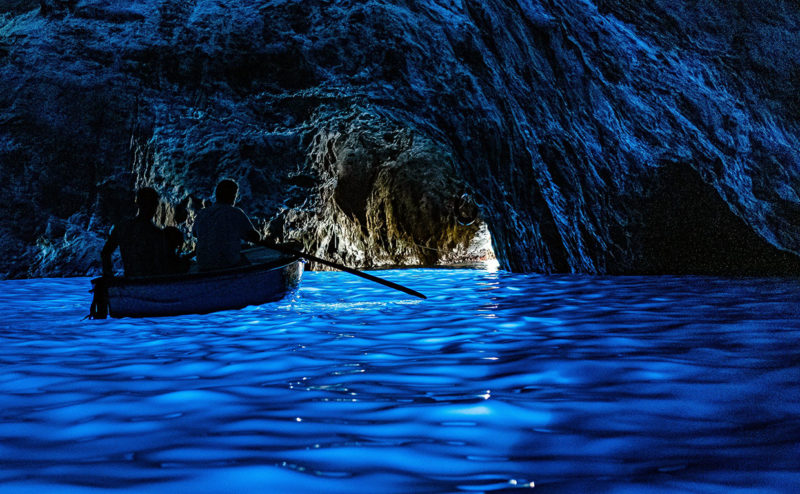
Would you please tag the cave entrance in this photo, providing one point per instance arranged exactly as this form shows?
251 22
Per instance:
475 250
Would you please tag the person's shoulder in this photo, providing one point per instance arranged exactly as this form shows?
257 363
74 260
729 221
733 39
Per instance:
123 225
201 214
243 218
128 220
141 226
231 210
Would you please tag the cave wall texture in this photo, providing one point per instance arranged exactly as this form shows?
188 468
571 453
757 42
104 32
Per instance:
588 136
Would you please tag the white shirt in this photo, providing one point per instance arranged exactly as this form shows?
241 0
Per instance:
219 230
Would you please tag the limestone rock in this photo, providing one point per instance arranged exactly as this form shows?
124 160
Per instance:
598 137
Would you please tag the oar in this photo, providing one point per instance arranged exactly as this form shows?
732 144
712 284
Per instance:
288 250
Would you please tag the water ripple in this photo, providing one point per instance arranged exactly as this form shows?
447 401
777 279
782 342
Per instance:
497 382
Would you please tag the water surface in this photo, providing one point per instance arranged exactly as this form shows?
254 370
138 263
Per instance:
498 382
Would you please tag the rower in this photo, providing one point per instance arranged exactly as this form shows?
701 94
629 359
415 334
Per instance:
141 243
220 228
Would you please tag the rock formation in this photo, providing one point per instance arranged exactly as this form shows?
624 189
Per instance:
598 136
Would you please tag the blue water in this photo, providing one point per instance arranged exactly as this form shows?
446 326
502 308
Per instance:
498 382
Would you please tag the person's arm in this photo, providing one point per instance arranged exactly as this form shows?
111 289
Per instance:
252 236
249 232
108 249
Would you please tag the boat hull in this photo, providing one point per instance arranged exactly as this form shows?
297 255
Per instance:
200 293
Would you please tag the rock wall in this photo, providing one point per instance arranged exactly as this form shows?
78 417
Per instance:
599 137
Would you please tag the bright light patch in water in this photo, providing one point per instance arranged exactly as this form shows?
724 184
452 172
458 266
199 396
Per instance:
480 410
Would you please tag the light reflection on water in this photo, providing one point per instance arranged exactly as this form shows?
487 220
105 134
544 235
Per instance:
579 384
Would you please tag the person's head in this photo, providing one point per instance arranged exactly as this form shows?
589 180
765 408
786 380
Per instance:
147 200
226 192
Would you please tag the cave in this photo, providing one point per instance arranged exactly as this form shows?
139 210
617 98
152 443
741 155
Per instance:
356 129
620 180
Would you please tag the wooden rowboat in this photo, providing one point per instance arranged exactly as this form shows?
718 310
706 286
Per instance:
268 278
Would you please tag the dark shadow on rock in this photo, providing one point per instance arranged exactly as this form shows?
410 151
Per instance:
18 6
688 229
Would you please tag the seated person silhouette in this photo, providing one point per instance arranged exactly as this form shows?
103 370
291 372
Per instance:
179 250
177 260
220 228
141 243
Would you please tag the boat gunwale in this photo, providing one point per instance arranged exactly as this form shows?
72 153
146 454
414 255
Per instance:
165 279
